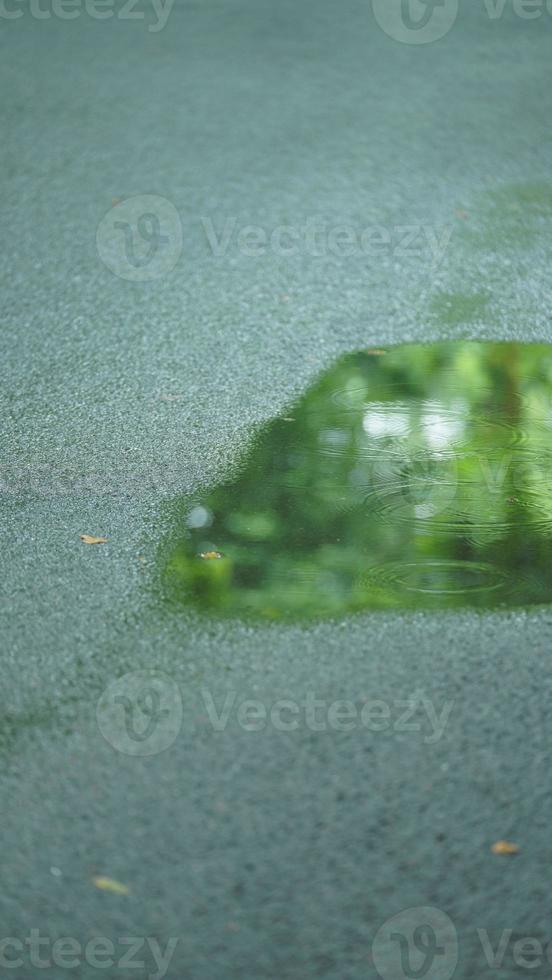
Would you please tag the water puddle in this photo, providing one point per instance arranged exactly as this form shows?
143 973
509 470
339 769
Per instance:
417 477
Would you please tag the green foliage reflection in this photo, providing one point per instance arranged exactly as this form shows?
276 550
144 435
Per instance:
415 477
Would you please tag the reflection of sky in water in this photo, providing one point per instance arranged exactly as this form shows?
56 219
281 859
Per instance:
436 422
382 420
335 437
407 480
440 430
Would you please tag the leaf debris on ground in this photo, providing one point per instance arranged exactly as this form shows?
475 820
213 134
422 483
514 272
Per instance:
111 885
504 847
91 539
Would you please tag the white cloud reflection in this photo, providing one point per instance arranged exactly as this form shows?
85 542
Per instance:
440 425
382 420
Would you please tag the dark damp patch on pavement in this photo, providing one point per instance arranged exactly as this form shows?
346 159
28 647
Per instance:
414 477
511 218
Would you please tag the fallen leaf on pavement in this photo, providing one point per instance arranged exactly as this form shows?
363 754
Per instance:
110 885
90 539
504 847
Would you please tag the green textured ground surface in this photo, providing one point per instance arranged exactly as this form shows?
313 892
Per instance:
268 854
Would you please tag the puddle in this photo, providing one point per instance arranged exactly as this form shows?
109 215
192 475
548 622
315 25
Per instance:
417 477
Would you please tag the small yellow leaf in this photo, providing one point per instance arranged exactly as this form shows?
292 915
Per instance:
504 847
110 885
211 555
90 539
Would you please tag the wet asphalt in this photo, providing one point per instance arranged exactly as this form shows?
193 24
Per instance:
259 847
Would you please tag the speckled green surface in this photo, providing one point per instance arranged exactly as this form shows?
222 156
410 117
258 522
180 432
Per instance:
269 854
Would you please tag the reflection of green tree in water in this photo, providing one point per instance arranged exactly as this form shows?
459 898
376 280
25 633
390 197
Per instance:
415 477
